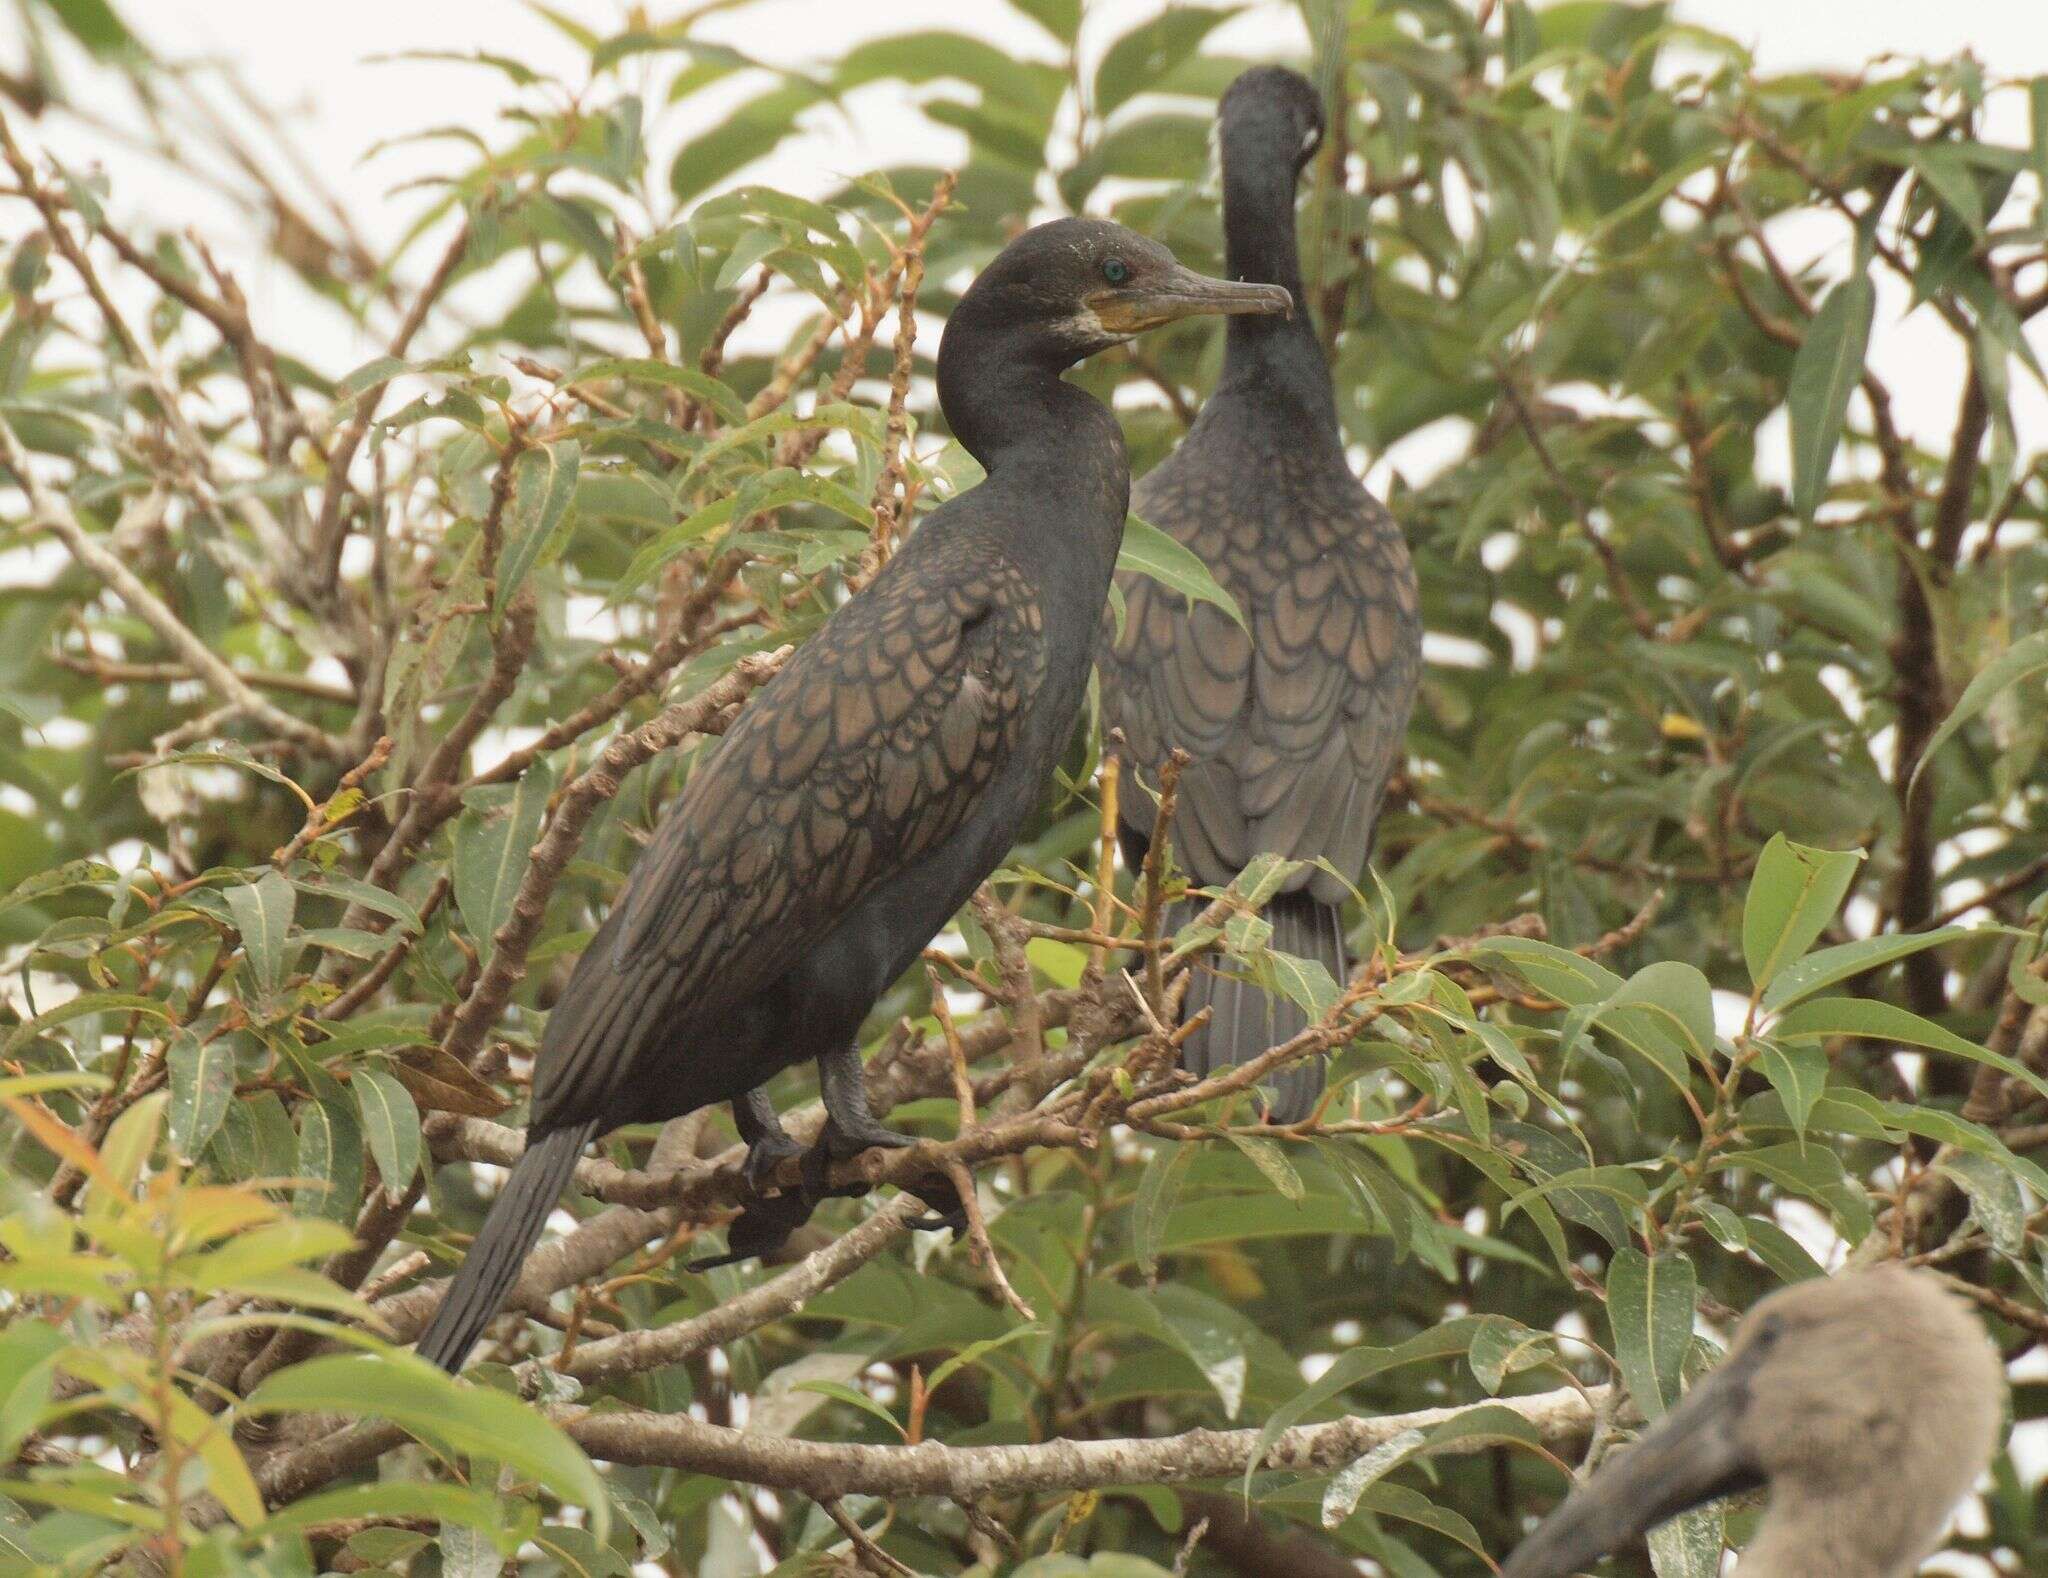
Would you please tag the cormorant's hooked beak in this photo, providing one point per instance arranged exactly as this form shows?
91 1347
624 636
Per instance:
1691 1456
1125 310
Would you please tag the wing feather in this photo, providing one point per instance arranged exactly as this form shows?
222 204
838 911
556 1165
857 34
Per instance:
870 747
1295 726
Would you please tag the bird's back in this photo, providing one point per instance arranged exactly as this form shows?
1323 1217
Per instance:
1295 722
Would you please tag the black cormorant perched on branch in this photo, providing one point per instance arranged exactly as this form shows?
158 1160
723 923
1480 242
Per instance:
1292 726
1868 1403
868 788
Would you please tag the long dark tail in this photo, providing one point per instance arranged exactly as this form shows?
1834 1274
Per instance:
1245 1019
509 1231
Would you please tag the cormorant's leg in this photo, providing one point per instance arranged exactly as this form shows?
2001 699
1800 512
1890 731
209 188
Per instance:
768 1143
849 1127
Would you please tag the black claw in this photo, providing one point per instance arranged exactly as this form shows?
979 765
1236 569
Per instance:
851 1141
764 1156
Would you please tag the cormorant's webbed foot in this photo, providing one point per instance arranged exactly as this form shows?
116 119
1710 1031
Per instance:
849 1127
768 1143
767 1221
762 1228
937 1191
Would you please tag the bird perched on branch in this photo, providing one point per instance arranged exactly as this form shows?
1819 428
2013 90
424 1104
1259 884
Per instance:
1293 721
1868 1403
865 792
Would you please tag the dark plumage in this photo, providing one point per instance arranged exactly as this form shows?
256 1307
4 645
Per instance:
1294 727
862 795
1867 1402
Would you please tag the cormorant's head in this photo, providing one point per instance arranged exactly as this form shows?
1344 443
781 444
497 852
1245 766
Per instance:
1079 286
1272 116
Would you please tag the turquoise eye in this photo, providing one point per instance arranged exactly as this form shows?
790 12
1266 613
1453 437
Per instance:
1116 271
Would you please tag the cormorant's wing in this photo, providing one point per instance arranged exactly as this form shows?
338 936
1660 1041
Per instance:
871 746
1296 725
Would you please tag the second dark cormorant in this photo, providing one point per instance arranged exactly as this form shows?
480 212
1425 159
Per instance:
1868 1403
1293 726
866 790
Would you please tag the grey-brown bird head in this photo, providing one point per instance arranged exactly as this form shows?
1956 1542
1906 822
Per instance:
1072 287
1270 115
1867 1403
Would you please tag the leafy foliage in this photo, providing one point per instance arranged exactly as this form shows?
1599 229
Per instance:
1703 946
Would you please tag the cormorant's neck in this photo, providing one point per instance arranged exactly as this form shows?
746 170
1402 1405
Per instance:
1281 355
1003 396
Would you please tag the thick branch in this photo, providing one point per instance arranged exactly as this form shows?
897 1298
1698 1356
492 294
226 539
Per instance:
933 1469
826 1469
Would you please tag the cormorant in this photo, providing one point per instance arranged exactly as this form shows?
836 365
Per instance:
866 790
1868 1403
1293 725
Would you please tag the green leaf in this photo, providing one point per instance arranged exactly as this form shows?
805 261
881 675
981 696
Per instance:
1824 374
1159 1189
742 135
1059 962
714 392
1271 1160
1556 972
1307 983
1152 49
29 1351
1213 1336
544 481
95 24
1829 965
263 915
1500 1347
931 55
1148 148
1061 18
58 879
2025 659
853 1397
449 1505
1995 1201
1662 1006
354 890
1792 897
379 370
1859 1016
330 1162
202 1074
492 856
1779 1250
1798 1073
465 1420
975 1352
1948 173
392 1124
1690 1545
1813 1171
1149 551
1471 1428
84 1005
1650 1307
861 422
1618 1183
1723 1224
1340 1497
1351 1367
